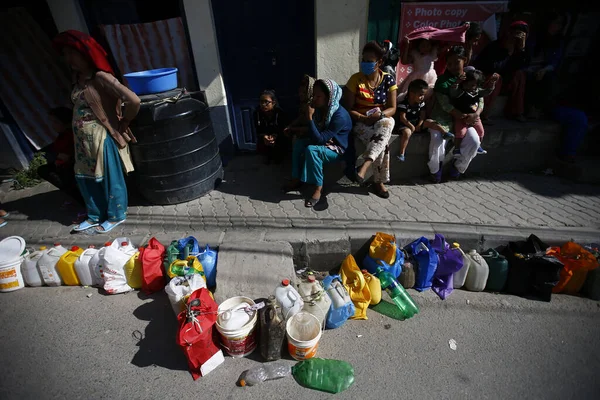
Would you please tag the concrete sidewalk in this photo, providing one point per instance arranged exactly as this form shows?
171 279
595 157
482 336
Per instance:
250 206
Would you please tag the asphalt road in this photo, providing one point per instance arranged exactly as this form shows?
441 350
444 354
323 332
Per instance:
56 343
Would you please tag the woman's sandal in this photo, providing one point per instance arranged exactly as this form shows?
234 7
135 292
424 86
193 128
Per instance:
359 179
310 203
85 225
384 194
108 226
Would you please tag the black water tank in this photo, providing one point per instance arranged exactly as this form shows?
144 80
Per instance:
176 156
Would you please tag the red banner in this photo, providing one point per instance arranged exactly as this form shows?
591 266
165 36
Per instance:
444 15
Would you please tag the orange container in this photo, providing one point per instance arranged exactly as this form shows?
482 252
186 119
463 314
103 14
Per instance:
577 262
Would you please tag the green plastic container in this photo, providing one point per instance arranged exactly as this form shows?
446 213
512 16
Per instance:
498 265
332 376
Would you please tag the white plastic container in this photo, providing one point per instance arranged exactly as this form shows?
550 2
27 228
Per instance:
11 258
31 274
47 265
478 272
316 301
289 299
82 266
460 276
338 294
236 327
125 246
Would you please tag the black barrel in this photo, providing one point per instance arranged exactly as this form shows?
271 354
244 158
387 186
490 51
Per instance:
176 156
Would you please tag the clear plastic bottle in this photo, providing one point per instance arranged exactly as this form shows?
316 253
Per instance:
402 299
264 372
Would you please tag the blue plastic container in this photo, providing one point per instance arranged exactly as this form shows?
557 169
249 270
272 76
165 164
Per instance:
152 81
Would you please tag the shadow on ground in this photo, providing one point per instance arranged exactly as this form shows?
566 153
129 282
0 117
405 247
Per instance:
157 344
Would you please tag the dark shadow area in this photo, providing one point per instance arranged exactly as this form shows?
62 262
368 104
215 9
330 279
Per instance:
157 344
46 206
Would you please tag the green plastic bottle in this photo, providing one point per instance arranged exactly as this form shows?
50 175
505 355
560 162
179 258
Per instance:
332 376
402 299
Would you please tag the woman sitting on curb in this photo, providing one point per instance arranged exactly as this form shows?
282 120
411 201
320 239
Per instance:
371 97
326 141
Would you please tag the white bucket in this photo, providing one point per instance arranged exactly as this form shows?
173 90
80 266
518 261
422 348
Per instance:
238 341
11 278
303 332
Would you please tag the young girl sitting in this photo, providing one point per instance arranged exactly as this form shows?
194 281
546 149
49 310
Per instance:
269 121
411 114
422 56
467 97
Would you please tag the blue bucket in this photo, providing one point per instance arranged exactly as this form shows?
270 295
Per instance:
152 81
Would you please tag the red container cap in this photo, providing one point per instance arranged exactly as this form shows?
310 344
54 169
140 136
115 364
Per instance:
364 271
124 243
74 248
311 278
107 244
285 282
91 246
56 244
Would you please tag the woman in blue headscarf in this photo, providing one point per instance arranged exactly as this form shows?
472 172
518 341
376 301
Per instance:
326 141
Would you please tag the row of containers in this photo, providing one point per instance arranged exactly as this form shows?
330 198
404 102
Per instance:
293 315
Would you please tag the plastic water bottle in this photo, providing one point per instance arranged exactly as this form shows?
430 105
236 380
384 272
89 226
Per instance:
402 299
264 372
332 376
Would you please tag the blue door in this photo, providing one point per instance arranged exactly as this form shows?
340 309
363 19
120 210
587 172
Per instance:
264 44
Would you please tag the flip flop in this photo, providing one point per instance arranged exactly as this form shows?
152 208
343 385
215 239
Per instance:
5 216
3 224
311 202
85 225
108 226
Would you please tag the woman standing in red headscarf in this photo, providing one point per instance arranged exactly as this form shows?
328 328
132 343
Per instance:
101 130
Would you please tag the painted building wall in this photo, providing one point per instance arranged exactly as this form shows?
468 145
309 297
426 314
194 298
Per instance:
341 32
67 15
203 41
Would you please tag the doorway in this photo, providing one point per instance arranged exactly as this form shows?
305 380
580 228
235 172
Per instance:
267 44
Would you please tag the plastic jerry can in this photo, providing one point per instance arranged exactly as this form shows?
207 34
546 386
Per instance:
478 273
272 330
29 269
82 266
133 271
66 266
498 266
374 287
591 287
47 265
316 301
459 277
289 299
408 274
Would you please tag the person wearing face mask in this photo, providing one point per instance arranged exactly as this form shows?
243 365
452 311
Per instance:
371 99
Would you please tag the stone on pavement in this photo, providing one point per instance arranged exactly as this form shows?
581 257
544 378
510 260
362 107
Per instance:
252 269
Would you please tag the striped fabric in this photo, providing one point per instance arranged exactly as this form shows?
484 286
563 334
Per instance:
160 44
33 79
